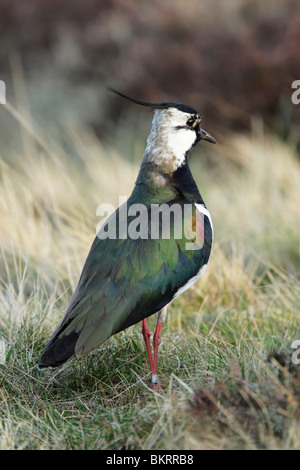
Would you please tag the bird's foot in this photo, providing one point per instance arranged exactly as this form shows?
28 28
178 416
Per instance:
156 384
156 387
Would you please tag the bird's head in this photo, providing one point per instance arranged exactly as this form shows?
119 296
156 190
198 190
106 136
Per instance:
176 128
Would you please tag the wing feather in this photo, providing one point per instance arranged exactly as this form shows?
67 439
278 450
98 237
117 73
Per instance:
124 281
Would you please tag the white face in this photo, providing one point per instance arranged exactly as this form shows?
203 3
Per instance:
170 138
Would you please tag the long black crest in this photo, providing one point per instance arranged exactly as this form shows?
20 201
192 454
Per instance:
182 107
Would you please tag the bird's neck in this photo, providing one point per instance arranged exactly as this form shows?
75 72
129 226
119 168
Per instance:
156 186
183 180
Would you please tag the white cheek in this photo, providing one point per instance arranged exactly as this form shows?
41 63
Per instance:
180 141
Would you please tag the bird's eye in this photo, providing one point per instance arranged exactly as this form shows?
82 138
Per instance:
190 122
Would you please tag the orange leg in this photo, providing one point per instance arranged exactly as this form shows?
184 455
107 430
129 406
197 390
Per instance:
156 342
147 334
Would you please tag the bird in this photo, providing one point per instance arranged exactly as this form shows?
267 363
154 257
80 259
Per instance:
126 279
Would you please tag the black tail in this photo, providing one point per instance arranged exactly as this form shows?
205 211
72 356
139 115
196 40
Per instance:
58 351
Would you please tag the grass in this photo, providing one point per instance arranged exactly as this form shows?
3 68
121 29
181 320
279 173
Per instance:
225 356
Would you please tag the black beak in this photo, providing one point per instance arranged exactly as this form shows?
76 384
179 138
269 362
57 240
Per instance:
206 136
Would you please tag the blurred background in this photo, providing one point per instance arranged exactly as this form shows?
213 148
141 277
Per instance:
67 144
232 60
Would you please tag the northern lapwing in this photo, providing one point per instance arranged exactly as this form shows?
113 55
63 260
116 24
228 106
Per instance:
125 279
